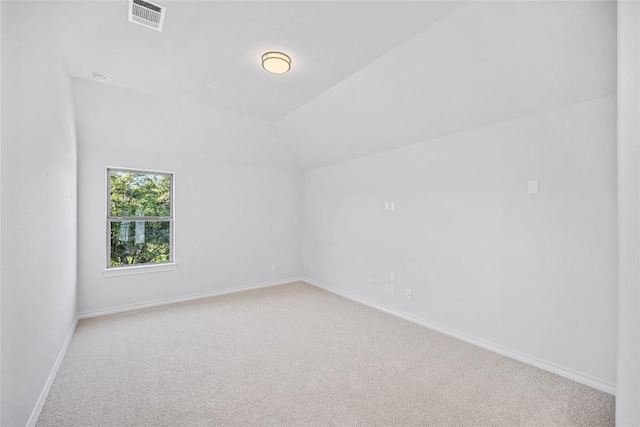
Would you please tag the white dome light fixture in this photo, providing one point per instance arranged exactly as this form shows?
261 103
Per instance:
276 62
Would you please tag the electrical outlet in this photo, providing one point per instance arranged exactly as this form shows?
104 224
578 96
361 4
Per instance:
408 293
273 266
392 289
386 287
393 206
371 283
386 206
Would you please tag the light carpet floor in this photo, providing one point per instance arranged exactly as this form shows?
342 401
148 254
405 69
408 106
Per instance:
295 355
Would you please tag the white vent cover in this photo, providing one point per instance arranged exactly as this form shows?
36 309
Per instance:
145 13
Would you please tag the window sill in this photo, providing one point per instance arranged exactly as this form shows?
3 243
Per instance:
140 269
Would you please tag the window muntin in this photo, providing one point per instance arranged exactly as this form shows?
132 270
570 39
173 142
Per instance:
139 217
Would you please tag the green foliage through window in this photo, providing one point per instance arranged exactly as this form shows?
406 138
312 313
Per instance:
140 218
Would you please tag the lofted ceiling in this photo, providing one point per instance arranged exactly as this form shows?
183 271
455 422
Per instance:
367 76
220 43
483 63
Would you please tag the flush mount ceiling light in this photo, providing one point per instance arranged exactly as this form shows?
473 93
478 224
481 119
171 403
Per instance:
276 62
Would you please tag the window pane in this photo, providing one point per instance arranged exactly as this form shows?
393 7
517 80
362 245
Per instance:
139 194
140 242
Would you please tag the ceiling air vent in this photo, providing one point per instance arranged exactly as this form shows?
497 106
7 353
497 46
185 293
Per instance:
150 15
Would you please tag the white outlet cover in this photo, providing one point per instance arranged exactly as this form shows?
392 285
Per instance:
393 206
371 283
386 287
533 187
386 206
392 288
408 293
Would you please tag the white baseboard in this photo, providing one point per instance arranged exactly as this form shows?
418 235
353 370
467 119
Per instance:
173 300
538 363
52 375
542 364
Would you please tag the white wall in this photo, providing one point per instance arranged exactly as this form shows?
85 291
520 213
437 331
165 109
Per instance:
118 118
233 220
628 384
38 207
535 274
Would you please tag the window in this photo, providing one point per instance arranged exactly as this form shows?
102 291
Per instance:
139 218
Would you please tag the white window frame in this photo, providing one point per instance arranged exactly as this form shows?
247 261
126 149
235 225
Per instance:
125 270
